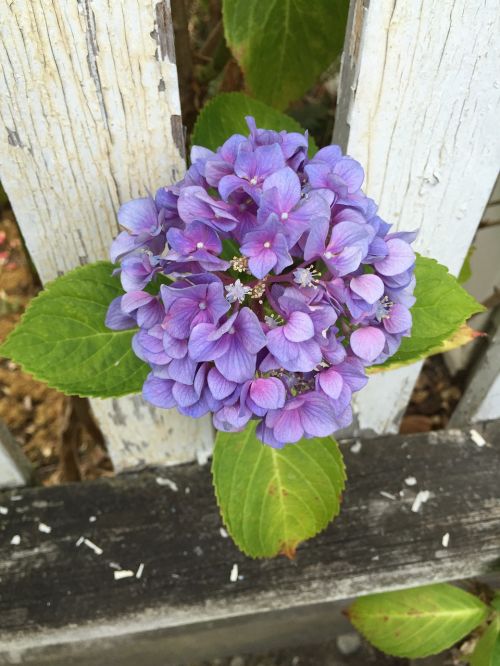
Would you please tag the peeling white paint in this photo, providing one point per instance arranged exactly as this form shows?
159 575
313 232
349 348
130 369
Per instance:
419 109
85 126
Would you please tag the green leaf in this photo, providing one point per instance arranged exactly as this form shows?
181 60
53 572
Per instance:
62 339
495 603
417 622
466 270
487 650
224 115
283 46
273 499
441 308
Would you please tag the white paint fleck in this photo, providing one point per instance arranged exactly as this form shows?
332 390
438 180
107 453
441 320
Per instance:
233 576
356 447
16 540
187 490
387 495
161 481
202 456
16 498
223 533
445 540
421 497
46 529
123 573
90 544
115 565
4 510
477 438
376 558
92 519
411 481
139 571
79 542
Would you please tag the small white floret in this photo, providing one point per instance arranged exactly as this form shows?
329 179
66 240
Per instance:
411 481
46 529
16 540
421 497
445 540
477 438
233 576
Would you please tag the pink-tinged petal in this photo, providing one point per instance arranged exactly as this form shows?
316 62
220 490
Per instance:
262 263
353 373
135 299
317 416
347 233
398 260
268 393
266 435
299 327
288 426
200 153
158 392
331 382
316 240
139 216
287 184
236 363
398 320
346 262
317 174
219 386
369 287
367 343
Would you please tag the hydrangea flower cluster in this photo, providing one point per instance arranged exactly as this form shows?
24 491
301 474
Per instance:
279 284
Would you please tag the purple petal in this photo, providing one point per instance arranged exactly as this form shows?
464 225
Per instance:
351 173
139 216
367 343
398 320
249 331
203 349
116 319
184 395
122 245
219 386
260 264
317 416
236 363
369 287
299 327
158 392
399 259
287 184
288 426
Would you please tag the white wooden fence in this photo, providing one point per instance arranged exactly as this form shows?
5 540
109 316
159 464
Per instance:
90 110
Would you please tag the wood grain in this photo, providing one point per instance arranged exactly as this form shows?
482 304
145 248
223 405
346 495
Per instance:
90 118
57 598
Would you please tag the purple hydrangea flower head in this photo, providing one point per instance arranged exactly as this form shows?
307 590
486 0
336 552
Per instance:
262 285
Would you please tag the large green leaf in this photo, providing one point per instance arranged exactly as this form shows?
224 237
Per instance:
417 622
224 115
283 46
487 650
441 308
63 341
271 500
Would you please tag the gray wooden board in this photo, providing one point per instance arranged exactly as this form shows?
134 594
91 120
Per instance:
57 598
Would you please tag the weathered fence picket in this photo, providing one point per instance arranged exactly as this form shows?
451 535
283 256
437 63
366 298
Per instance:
15 469
89 105
419 105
